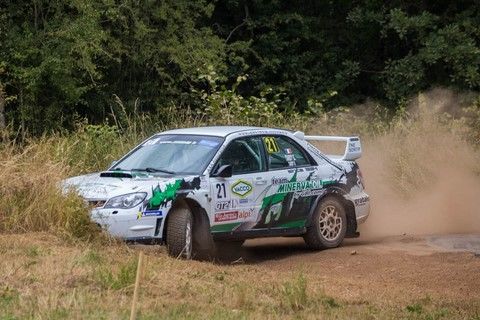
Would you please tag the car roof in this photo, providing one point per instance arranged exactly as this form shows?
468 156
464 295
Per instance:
219 131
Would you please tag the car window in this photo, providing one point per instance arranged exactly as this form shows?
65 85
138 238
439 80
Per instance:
283 153
244 155
180 154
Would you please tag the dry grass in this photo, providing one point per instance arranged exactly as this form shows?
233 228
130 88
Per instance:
31 197
42 278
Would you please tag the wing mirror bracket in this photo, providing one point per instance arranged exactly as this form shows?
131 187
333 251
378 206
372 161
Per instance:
225 171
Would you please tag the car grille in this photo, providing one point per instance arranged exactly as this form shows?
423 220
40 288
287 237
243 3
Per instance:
96 203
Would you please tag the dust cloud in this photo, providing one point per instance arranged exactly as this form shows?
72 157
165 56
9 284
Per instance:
421 176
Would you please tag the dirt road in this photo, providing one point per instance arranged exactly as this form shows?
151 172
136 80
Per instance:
381 278
399 268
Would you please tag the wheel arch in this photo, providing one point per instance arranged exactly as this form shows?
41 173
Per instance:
199 214
339 194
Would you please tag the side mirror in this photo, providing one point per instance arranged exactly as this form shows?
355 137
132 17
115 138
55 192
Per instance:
224 171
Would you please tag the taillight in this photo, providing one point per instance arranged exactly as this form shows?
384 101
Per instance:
360 179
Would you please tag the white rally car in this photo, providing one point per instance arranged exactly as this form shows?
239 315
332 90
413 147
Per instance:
196 188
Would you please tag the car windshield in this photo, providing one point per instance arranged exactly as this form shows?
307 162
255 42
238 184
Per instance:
172 154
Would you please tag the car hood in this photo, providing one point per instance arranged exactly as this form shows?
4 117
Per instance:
98 186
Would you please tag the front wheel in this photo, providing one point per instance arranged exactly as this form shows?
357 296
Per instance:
328 225
180 233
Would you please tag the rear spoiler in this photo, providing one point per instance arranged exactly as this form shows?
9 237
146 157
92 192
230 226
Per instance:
353 147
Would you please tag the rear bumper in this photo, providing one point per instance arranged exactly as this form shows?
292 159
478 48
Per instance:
361 203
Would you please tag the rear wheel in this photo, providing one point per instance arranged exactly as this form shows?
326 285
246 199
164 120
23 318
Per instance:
328 225
180 233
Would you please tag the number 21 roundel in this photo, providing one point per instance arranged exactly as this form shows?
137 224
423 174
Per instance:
271 145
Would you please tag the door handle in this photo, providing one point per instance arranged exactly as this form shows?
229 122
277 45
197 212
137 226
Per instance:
260 181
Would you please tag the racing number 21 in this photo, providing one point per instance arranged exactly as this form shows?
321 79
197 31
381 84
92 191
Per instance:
271 144
221 191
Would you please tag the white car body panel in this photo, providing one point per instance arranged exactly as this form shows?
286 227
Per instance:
242 206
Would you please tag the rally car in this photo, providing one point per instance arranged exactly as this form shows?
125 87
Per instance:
194 189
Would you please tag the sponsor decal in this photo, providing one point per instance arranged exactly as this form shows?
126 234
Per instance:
309 193
245 214
262 132
223 205
289 157
232 215
353 147
230 204
279 180
149 213
208 143
361 201
177 142
226 216
302 185
241 188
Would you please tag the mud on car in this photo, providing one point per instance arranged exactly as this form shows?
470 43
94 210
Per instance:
197 189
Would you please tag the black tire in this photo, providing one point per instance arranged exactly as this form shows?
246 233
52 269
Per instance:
328 226
180 233
203 244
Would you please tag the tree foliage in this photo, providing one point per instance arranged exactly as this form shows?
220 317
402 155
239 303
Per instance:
62 60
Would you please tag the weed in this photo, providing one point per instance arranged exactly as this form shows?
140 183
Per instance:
32 251
8 296
243 300
330 302
415 308
124 277
91 257
295 293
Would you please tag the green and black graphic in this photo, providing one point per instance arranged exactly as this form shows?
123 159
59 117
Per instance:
283 207
179 188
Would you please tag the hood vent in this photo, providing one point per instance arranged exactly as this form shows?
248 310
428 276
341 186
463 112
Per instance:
116 174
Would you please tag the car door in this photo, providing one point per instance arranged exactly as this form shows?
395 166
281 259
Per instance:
234 205
292 178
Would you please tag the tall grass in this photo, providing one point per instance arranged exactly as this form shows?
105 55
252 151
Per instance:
31 198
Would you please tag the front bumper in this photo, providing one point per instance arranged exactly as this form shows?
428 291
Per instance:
128 224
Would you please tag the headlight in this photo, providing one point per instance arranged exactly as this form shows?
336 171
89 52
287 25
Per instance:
125 201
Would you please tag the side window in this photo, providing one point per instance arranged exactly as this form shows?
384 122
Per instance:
244 155
282 152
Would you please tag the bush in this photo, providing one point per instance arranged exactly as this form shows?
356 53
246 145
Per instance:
31 198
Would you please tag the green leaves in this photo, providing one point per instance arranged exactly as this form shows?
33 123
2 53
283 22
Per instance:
63 60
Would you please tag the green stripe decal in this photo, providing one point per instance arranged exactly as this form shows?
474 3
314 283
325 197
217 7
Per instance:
293 224
224 227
